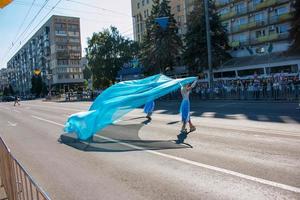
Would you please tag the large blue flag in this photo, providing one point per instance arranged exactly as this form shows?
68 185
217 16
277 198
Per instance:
119 99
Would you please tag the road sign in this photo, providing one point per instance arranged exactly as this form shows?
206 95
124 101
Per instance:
37 72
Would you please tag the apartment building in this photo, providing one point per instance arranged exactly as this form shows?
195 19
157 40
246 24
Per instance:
256 26
55 50
3 79
141 10
258 33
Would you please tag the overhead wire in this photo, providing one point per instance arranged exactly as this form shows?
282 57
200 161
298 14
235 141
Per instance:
74 10
97 7
28 26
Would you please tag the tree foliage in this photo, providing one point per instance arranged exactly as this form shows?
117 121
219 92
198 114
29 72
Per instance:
87 72
195 51
160 46
38 87
107 51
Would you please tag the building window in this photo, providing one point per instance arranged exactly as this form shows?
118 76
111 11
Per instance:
145 14
179 20
226 25
240 8
62 62
143 2
147 1
222 2
243 37
259 17
224 11
255 2
281 10
242 21
283 28
138 5
260 33
178 8
272 30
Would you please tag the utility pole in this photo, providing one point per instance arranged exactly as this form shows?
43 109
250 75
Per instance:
208 44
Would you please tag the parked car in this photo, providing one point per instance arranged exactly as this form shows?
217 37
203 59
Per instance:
8 98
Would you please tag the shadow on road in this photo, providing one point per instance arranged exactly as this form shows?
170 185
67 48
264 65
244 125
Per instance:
280 112
120 134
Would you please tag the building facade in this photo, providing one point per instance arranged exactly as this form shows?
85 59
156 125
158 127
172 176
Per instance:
258 34
55 50
141 10
256 26
3 79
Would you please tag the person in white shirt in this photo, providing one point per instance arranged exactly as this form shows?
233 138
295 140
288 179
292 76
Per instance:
185 107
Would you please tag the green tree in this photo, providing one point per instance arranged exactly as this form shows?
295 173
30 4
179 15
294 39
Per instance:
160 45
11 90
6 91
107 51
37 85
295 32
195 51
87 73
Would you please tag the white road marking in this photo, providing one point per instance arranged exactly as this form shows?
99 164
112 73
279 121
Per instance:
46 120
183 160
17 111
59 108
11 123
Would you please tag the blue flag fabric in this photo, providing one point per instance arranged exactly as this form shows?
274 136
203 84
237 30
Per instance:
162 21
119 99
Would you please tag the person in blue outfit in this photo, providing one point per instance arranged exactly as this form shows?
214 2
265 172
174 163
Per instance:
148 109
118 100
185 107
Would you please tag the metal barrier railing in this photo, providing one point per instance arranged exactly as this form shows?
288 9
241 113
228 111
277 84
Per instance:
284 93
17 183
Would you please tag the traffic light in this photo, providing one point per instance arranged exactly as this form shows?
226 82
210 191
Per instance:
4 3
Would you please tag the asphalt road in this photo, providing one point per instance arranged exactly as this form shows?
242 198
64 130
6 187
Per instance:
239 151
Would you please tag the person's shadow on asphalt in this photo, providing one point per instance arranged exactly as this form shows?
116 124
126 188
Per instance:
181 137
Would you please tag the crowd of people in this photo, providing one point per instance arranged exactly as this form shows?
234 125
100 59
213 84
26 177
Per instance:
271 88
280 87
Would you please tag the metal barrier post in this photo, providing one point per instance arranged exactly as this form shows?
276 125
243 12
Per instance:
16 181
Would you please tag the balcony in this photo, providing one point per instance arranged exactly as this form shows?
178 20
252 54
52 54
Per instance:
248 26
285 17
234 44
281 18
241 11
271 37
265 4
228 15
220 4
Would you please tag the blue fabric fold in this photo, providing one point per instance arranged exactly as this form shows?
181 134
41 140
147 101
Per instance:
119 99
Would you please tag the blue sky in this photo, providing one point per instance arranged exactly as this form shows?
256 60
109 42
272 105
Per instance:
95 15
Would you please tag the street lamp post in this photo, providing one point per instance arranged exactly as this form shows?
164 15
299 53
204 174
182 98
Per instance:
49 77
208 39
48 74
